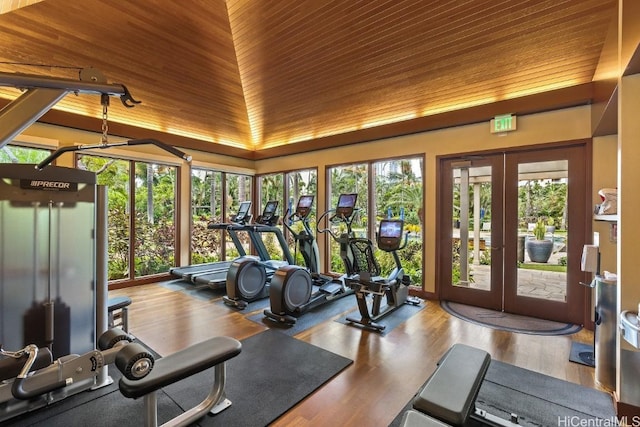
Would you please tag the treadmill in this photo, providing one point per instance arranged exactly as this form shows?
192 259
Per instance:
264 223
239 219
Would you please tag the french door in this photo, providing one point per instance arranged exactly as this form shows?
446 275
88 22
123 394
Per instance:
491 207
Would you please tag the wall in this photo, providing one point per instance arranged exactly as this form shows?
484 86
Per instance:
561 125
628 232
605 172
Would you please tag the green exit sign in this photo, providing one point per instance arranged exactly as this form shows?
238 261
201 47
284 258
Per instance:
504 123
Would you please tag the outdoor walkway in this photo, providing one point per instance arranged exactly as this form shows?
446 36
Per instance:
549 285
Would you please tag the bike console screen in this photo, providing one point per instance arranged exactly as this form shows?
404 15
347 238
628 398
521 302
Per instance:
304 206
346 204
390 234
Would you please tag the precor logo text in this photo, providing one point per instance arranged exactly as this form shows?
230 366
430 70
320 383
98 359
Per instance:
50 184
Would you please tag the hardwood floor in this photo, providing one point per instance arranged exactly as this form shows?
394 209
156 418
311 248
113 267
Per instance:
387 370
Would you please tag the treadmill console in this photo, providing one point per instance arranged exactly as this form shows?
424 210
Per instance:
269 216
303 209
390 234
243 215
346 205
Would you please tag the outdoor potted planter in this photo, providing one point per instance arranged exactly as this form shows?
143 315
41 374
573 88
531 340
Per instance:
538 248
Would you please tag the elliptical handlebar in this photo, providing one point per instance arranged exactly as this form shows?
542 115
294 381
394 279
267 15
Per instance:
327 229
336 219
291 216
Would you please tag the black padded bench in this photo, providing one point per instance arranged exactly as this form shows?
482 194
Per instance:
175 367
448 397
118 309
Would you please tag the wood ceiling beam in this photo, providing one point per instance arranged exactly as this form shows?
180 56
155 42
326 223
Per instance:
561 98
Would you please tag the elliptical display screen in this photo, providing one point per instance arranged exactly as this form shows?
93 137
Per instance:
346 204
390 234
304 206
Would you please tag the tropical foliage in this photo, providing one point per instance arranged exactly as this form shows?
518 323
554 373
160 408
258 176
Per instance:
206 204
398 193
154 189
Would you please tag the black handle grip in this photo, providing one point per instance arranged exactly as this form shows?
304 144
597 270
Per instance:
20 393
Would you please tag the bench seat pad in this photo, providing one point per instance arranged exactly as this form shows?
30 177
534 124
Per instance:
117 303
413 418
450 393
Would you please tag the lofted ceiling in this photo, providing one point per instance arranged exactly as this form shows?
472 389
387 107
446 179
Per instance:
244 77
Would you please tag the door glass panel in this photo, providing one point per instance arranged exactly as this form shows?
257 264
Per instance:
471 227
542 230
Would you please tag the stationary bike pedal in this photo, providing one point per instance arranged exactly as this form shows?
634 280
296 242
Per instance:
414 300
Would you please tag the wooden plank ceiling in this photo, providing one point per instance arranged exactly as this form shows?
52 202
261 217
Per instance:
254 75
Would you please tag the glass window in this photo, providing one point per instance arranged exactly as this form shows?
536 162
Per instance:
238 189
155 199
17 154
206 207
115 175
272 189
348 179
301 183
398 195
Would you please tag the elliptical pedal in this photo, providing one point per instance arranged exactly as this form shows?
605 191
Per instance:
332 288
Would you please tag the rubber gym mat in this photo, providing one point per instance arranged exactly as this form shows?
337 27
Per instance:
538 399
310 318
582 353
272 373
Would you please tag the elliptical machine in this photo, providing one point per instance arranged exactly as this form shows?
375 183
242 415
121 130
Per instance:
248 277
295 290
394 289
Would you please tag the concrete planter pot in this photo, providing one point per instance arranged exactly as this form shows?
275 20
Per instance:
539 250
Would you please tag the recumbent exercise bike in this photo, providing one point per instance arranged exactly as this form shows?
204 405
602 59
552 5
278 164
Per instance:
392 290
